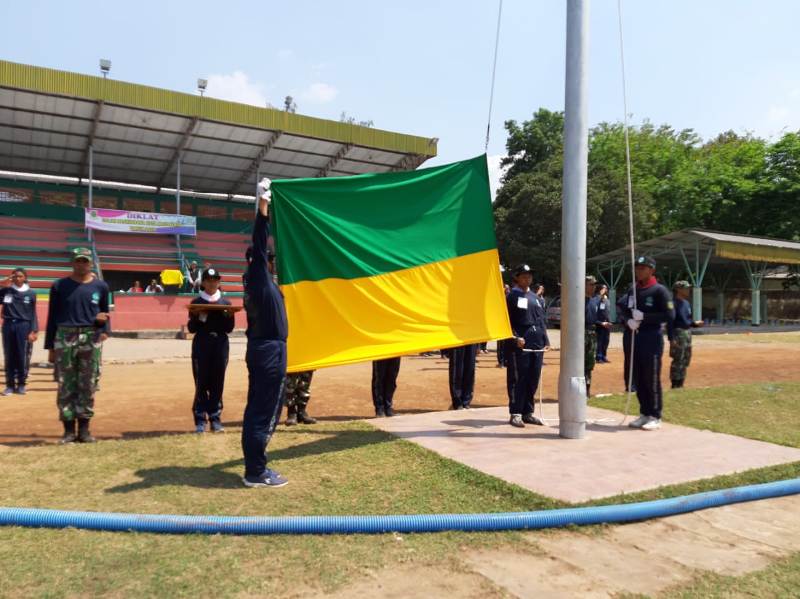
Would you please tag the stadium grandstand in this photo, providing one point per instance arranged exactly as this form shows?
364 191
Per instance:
71 142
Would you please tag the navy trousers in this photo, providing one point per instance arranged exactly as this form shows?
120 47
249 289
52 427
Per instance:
209 363
16 350
462 374
626 351
647 351
384 382
523 373
603 338
266 370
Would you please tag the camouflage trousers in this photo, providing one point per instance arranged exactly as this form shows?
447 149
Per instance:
298 390
680 350
589 353
77 358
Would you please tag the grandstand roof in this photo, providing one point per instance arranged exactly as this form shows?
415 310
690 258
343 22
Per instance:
49 118
680 248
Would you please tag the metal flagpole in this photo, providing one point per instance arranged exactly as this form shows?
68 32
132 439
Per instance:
91 177
571 382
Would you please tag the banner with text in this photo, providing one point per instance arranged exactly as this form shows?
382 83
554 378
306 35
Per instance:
126 221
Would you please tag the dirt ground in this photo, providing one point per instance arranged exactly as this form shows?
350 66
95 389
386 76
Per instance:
153 395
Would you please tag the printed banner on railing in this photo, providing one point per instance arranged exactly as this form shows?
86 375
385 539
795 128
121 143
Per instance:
126 221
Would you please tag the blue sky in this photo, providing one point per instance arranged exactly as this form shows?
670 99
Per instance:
424 67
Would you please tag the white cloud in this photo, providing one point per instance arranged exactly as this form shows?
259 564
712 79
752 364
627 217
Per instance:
495 172
236 87
319 93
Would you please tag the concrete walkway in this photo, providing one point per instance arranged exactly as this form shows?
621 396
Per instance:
611 460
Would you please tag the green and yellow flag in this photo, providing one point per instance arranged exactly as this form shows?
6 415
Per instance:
375 266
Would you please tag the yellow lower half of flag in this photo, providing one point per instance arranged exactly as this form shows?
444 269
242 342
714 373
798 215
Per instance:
429 307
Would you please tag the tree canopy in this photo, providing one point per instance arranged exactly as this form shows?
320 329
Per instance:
733 183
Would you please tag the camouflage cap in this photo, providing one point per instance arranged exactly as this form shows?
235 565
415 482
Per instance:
681 284
82 254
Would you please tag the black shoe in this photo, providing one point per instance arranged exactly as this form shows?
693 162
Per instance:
531 419
69 433
291 417
304 418
84 436
389 412
677 384
379 413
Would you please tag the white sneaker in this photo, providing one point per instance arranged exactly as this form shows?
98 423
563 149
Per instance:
638 423
652 424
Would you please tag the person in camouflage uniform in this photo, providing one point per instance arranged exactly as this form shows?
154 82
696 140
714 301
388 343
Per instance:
77 352
680 334
298 394
77 326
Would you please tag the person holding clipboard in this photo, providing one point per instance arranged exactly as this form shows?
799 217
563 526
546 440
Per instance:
211 323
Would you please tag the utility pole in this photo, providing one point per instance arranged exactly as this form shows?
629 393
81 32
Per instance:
571 382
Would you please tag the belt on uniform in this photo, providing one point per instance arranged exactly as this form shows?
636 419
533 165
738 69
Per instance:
80 328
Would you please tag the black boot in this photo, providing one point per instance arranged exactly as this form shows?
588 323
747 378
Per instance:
69 432
291 416
84 436
589 390
677 384
304 418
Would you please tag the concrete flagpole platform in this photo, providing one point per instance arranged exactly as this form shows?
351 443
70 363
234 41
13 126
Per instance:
611 460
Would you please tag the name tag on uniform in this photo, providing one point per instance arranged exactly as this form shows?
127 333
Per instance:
630 301
522 302
7 299
602 305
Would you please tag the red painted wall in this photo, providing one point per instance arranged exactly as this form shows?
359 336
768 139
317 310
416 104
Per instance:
147 312
143 312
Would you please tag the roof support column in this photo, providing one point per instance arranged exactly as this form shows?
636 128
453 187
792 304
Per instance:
755 273
696 276
612 281
178 204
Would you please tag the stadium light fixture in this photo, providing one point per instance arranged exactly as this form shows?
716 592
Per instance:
202 84
105 66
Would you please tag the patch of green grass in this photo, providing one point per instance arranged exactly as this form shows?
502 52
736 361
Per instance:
339 468
334 468
764 411
780 579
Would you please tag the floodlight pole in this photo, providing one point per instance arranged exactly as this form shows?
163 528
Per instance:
571 382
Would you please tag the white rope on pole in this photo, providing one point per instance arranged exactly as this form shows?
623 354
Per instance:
629 374
494 72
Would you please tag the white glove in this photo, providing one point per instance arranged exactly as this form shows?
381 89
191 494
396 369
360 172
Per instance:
263 189
633 324
637 314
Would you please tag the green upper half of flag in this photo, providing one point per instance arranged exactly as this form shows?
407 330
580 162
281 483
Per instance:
365 225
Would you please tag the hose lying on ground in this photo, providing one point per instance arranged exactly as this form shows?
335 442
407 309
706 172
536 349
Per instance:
264 525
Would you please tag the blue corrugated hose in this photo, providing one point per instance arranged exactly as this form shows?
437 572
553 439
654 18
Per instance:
265 525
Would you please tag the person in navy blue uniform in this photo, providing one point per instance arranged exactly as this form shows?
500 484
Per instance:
20 329
524 351
210 349
644 317
603 328
461 371
384 384
267 330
